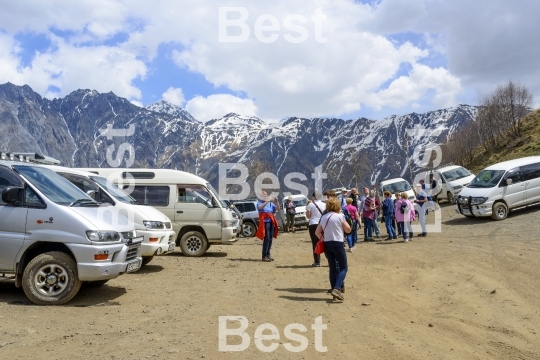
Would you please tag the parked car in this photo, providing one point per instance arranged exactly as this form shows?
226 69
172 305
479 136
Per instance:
502 187
250 216
53 236
151 224
200 218
237 216
396 185
300 201
452 179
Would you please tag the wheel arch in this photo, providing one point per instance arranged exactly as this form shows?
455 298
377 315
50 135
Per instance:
38 248
187 229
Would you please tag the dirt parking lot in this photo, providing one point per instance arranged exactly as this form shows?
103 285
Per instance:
469 292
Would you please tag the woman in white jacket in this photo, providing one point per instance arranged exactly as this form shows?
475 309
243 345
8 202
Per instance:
331 228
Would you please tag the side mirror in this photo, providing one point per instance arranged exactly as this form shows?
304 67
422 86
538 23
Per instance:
12 195
92 194
508 181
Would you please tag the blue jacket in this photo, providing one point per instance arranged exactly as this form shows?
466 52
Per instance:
388 207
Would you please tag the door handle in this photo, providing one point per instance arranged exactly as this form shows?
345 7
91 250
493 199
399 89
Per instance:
179 212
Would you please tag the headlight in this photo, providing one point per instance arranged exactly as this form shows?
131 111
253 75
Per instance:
457 187
478 200
228 223
103 236
152 224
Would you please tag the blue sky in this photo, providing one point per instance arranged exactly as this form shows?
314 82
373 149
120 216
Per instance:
356 59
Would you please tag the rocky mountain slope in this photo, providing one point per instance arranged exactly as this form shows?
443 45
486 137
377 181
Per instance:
73 129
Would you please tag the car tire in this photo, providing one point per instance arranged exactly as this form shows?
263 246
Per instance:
146 260
94 284
193 244
450 197
248 229
51 279
500 211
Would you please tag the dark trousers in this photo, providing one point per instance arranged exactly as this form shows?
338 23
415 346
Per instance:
337 262
314 241
268 236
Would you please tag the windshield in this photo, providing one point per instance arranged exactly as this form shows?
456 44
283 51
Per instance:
215 195
486 179
456 174
113 190
400 186
298 202
53 186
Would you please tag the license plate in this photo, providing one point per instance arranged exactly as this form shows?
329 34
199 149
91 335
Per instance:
133 266
171 247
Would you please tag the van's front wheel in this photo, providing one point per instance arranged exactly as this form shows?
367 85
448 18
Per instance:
193 243
500 211
51 279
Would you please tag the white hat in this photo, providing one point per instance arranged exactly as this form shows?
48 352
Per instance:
343 189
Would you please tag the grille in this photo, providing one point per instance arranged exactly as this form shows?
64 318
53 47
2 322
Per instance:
167 225
127 235
132 252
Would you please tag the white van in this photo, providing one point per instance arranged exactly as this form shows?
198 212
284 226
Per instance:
396 185
53 236
502 187
300 202
452 179
200 218
151 224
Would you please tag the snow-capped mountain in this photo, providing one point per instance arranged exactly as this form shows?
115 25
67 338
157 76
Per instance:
164 107
352 153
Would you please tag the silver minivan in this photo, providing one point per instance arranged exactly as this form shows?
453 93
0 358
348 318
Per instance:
152 225
53 236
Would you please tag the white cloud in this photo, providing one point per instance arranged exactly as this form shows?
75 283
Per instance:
218 105
174 96
484 43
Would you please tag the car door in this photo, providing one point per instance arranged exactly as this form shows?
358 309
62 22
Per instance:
12 222
196 206
531 177
513 194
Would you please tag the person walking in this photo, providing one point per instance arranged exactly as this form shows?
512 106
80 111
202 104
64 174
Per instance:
314 213
403 211
388 214
352 238
368 214
331 229
433 188
376 229
397 198
343 198
268 225
361 209
421 204
290 210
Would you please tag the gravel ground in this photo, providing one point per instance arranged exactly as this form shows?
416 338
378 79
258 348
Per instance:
468 292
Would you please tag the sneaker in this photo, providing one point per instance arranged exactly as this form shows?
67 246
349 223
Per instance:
271 258
337 294
406 240
350 249
343 289
394 238
388 238
378 236
266 259
315 265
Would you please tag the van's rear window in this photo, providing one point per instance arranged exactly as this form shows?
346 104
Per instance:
138 175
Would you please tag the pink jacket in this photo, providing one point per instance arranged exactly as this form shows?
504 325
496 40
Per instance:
409 212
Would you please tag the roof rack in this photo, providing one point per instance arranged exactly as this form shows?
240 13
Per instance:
29 157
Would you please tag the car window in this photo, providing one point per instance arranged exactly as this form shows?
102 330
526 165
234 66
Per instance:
514 175
250 207
8 178
487 179
240 207
195 194
32 199
150 195
529 172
